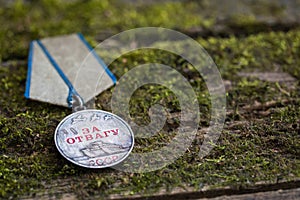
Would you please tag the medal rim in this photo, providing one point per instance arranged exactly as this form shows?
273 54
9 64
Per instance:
94 166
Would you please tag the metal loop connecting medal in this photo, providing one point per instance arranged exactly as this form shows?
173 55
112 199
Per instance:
88 138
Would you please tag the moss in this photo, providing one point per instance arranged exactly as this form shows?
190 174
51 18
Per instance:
38 19
30 20
264 148
258 143
261 52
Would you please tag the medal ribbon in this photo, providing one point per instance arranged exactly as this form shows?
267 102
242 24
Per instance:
72 91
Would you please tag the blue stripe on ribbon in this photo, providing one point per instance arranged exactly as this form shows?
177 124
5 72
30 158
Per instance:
100 61
60 72
29 69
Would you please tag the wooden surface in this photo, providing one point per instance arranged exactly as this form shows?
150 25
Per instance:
292 194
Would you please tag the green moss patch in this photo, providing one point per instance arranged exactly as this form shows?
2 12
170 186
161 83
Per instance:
260 140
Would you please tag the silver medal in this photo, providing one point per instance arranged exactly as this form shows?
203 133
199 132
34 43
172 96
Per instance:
89 138
94 138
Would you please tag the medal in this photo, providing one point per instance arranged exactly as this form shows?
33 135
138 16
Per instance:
87 137
94 138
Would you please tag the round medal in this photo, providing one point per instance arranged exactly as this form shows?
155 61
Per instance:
94 138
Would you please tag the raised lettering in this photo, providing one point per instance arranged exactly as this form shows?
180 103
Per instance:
98 136
74 131
85 130
88 137
114 158
95 129
79 138
70 140
115 132
106 133
99 162
107 160
92 163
